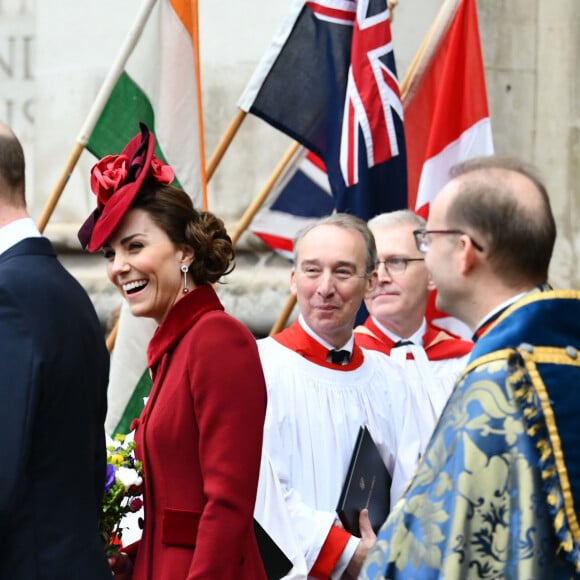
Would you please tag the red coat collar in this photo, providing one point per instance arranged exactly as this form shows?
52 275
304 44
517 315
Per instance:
182 316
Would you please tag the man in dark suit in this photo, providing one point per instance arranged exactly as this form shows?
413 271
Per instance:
53 381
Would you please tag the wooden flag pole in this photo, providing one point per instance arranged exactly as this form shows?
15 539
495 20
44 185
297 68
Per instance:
263 194
50 205
197 63
96 110
443 15
112 337
224 143
284 315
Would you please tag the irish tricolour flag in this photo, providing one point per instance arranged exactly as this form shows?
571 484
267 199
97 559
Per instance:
154 81
445 103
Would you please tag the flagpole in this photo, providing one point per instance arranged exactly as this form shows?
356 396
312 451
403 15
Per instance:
96 110
284 315
112 337
260 198
443 15
197 63
225 142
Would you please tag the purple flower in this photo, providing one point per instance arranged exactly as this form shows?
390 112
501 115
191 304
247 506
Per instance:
109 477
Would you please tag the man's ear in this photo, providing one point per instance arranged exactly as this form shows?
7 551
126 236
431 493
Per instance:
293 289
469 256
372 282
430 283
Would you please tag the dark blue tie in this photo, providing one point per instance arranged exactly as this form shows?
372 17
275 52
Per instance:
402 343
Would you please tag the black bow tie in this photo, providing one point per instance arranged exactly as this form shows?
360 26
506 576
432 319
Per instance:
402 343
338 357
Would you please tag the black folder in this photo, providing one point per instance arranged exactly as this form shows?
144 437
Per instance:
367 485
276 563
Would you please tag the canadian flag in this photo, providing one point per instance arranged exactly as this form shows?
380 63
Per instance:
446 112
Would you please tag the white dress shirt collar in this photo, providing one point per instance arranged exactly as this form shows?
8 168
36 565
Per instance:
415 338
17 231
348 345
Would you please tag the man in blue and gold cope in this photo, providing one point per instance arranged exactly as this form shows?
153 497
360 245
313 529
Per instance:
494 494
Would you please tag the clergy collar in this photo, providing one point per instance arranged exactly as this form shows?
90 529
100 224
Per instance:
348 345
415 338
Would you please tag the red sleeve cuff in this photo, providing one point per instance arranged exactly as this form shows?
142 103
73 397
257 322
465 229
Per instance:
330 553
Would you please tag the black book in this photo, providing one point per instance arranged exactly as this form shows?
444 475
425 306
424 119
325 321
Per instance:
276 563
367 485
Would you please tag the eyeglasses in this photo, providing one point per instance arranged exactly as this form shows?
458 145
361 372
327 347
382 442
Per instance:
424 238
396 265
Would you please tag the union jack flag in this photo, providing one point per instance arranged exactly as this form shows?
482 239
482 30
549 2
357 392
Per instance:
329 81
372 95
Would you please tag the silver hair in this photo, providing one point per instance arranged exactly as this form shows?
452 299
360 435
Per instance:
395 218
347 222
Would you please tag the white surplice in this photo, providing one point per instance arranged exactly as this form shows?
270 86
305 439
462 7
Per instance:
312 421
431 383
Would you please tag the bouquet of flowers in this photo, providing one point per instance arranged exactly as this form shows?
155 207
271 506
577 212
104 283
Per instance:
123 488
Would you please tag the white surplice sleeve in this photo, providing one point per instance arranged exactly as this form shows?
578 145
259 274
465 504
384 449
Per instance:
272 513
430 384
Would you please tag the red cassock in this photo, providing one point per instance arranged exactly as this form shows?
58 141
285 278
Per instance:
200 440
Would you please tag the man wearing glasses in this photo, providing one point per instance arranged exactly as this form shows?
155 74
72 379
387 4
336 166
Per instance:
430 357
494 495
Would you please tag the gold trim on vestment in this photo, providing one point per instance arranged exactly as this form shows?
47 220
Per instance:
552 355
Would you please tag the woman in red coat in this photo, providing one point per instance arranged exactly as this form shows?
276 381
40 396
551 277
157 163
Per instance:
200 434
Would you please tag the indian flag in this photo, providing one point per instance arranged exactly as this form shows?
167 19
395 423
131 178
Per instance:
154 81
157 85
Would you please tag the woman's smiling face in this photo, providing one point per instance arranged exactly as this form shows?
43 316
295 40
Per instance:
144 264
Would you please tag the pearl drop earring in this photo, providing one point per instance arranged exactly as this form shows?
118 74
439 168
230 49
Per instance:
185 270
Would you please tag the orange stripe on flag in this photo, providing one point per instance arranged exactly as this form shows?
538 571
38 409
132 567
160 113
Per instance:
184 10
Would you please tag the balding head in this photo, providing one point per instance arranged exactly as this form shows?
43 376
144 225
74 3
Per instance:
12 169
505 205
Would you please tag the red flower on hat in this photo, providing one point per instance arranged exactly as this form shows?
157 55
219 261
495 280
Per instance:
161 172
107 176
116 180
112 171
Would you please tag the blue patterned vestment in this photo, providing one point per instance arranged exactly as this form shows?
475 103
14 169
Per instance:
494 495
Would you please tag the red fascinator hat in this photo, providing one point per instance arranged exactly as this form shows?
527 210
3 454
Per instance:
116 180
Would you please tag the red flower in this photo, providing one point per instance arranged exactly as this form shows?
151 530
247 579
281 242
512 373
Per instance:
107 176
112 171
161 172
136 504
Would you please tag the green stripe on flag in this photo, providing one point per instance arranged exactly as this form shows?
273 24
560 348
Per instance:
119 121
127 106
135 405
